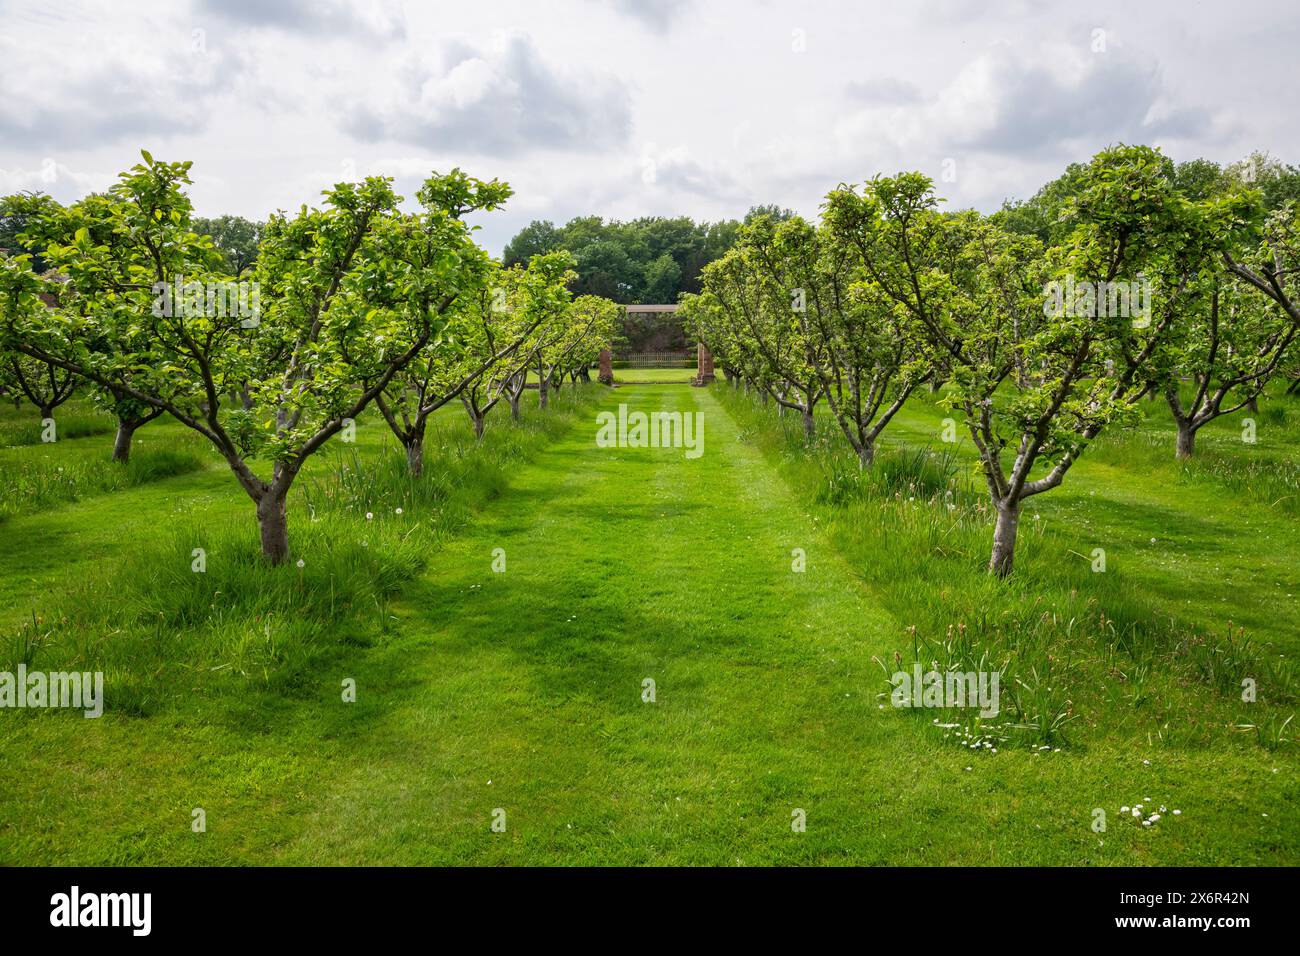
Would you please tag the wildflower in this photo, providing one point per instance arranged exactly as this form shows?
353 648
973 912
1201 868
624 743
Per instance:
399 511
302 563
369 515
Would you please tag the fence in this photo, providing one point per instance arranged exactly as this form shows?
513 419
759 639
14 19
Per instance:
655 360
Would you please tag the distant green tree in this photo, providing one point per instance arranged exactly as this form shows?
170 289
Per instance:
648 260
662 278
235 237
606 270
1045 214
13 223
771 211
1277 182
537 238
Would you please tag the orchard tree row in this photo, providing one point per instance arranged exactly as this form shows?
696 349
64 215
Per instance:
1136 278
354 303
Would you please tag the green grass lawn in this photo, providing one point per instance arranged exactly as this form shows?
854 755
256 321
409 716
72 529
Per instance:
675 376
522 690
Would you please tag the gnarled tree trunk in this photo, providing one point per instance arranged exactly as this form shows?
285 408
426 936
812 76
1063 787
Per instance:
1004 538
415 456
273 520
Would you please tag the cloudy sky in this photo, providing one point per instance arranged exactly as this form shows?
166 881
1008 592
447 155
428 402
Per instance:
630 107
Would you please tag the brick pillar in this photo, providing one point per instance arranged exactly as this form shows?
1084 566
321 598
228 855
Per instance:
704 365
606 376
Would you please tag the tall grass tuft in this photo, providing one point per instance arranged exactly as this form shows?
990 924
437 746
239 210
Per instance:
26 428
33 484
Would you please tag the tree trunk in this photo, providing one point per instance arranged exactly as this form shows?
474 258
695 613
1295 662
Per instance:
273 519
1004 538
122 443
478 424
866 455
809 425
415 456
514 405
542 393
1186 440
413 441
47 411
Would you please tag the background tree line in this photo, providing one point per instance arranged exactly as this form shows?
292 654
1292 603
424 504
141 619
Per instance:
648 260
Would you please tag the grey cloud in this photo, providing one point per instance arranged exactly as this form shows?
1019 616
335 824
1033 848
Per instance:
308 16
76 104
656 14
1030 109
690 176
504 101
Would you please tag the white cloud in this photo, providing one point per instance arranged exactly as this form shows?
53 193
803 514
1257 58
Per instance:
107 87
55 179
499 98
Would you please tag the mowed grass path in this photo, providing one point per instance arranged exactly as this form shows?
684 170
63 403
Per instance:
522 691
